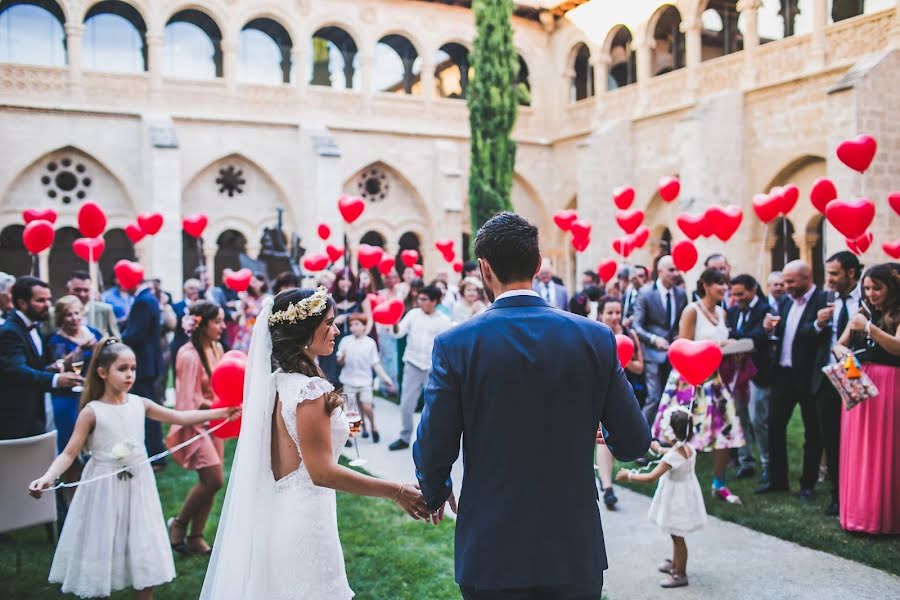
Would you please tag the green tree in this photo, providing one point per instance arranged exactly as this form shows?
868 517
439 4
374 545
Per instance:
493 100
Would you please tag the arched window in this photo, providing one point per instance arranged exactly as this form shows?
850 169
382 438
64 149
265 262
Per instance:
784 250
32 33
408 241
398 67
622 61
669 52
264 53
334 59
372 238
193 46
191 258
13 256
523 86
719 33
229 247
114 38
583 75
452 71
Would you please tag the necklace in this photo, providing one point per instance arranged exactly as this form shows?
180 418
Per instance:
709 317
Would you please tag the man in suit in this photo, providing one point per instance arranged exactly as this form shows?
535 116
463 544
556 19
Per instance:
121 301
23 363
528 521
6 303
546 286
656 317
802 329
776 296
637 277
191 291
98 315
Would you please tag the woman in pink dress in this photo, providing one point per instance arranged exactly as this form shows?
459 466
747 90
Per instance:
193 367
870 431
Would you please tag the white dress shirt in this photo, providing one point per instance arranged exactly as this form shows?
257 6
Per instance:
548 292
512 293
753 303
421 329
791 322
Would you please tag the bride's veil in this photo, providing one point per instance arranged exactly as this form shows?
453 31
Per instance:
238 566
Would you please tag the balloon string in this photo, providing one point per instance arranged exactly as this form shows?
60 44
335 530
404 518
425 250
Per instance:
151 459
762 252
784 239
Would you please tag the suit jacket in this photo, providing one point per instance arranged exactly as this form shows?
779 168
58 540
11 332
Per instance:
752 328
650 320
525 371
809 344
24 380
142 333
629 302
561 295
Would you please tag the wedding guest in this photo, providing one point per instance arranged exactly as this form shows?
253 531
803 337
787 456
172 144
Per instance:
410 302
97 314
120 299
470 269
193 369
719 263
637 279
777 295
168 322
443 307
553 293
594 295
472 301
870 446
451 293
250 305
6 303
387 343
366 282
589 278
348 300
191 291
286 280
579 305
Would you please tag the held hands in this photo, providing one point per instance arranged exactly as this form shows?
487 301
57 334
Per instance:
229 413
410 499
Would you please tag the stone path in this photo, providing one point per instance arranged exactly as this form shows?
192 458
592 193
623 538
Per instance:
727 561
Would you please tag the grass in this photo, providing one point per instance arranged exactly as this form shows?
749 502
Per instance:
784 516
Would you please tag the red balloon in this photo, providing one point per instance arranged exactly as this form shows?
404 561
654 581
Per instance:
622 246
581 228
91 220
641 236
315 262
669 188
822 192
351 208
409 257
444 246
630 220
369 256
695 361
324 231
450 256
607 269
150 223
129 274
375 299
858 153
235 355
860 244
892 249
334 252
724 221
691 225
419 270
767 206
33 214
38 236
89 249
564 219
625 349
684 255
386 265
894 201
623 197
789 196
581 243
457 267
851 217
388 312
134 232
231 429
238 281
227 381
195 225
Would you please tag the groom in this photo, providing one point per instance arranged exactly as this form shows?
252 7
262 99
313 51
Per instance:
525 386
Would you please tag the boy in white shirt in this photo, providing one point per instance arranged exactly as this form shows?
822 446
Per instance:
358 356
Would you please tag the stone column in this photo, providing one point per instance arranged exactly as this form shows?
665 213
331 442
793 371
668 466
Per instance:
693 51
300 67
819 45
644 57
74 36
162 253
600 64
750 10
426 78
367 78
229 63
155 43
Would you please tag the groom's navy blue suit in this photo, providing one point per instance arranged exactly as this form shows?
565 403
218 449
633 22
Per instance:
525 386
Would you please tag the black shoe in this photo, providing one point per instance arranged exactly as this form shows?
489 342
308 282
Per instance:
769 488
807 495
398 445
746 472
764 478
833 510
348 444
609 498
365 434
375 437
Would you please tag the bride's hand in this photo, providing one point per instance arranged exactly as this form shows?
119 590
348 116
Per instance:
412 501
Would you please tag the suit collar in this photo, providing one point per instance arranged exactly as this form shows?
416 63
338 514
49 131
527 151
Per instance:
519 301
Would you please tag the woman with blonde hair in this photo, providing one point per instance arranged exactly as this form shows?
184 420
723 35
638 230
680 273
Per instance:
472 300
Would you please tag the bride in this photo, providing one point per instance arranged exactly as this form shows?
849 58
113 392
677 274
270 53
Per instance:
278 536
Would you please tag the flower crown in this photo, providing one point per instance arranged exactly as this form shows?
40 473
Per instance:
308 307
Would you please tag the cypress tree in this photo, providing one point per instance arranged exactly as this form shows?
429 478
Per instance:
493 100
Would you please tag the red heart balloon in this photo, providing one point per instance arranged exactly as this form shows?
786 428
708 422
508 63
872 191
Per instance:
419 270
622 246
227 381
369 256
564 219
150 223
38 236
669 188
607 269
386 265
238 281
851 217
724 221
623 197
641 236
324 231
860 244
351 208
789 196
894 201
33 214
695 361
449 256
767 206
334 252
858 153
444 246
457 267
684 255
630 220
691 225
91 220
409 257
235 355
892 249
317 261
195 225
231 429
134 232
625 349
129 274
581 243
822 192
388 312
375 299
581 228
89 249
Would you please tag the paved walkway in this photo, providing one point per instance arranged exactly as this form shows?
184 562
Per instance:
727 561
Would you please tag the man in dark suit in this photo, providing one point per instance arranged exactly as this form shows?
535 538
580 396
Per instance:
23 363
637 277
528 521
803 328
548 288
656 319
191 291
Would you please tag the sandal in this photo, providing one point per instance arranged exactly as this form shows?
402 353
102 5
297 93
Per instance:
179 547
665 566
674 581
206 552
723 493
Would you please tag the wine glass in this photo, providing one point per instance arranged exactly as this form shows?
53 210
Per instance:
775 318
354 418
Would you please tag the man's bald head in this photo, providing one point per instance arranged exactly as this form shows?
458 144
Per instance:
666 271
797 278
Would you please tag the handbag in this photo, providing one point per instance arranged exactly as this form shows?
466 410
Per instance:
852 384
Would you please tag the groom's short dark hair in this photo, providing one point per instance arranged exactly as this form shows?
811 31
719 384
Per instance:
509 244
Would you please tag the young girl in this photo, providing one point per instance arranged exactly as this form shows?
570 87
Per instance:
677 507
114 536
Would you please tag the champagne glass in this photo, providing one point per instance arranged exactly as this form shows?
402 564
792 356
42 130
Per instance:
775 318
354 417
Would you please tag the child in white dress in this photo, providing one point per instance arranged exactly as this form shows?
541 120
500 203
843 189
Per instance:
114 536
677 507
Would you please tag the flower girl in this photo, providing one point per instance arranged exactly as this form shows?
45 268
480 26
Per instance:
114 536
677 507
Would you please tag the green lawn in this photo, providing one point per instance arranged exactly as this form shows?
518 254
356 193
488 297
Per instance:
784 516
